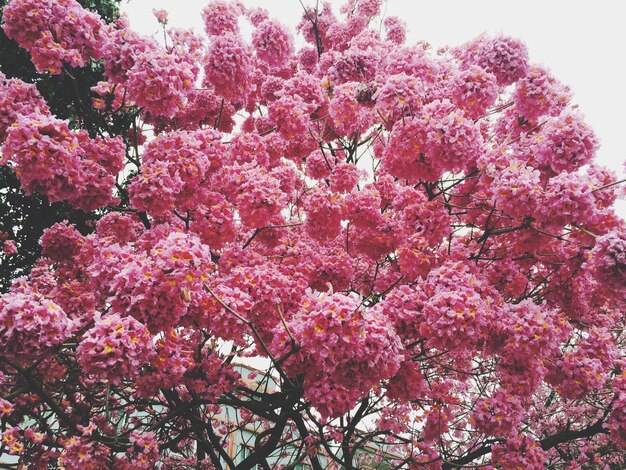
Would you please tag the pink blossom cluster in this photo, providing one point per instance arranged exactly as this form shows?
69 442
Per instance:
498 414
331 265
291 114
203 108
114 348
519 452
504 57
30 325
407 384
516 189
159 283
62 164
395 29
345 178
564 143
324 18
154 78
214 222
348 116
171 359
173 168
221 17
474 90
17 99
417 63
229 66
526 333
531 331
160 81
258 292
273 43
415 258
61 242
9 248
143 454
441 139
576 375
539 94
400 96
608 260
260 201
617 419
420 217
111 97
55 32
367 8
353 65
454 307
567 198
213 315
122 50
323 214
81 452
342 349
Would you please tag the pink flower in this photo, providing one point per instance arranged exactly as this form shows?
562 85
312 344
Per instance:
17 98
160 15
9 248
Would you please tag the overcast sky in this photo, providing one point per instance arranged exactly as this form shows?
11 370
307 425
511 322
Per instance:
583 45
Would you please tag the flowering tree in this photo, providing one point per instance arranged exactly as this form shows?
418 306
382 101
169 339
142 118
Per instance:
415 248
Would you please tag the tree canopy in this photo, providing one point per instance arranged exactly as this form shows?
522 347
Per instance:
356 254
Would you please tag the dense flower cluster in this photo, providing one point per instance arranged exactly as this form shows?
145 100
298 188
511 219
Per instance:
228 66
62 164
327 330
114 348
498 415
16 99
400 96
54 32
30 324
442 139
174 167
502 56
608 258
273 43
539 94
520 452
159 82
158 284
474 90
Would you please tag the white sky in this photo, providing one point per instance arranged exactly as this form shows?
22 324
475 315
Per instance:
583 45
